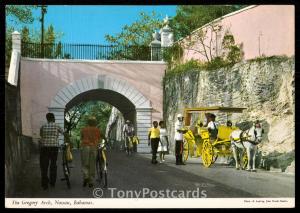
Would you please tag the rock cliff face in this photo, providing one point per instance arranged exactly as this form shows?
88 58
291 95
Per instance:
264 86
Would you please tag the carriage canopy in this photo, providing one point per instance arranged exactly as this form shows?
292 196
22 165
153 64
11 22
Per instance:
188 111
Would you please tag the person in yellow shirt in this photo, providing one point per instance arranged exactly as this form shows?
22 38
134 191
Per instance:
153 138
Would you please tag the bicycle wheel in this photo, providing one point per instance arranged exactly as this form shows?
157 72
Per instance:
99 171
66 169
105 178
104 169
66 172
68 181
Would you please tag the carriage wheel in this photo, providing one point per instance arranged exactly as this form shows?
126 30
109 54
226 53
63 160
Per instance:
207 154
245 160
185 151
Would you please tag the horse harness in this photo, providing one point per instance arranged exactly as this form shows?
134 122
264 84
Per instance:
245 138
242 139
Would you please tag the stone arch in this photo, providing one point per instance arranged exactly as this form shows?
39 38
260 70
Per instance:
141 104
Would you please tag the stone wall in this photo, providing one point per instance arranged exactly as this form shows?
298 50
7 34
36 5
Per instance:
114 128
264 86
18 148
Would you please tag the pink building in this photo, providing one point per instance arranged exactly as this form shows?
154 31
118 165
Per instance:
263 30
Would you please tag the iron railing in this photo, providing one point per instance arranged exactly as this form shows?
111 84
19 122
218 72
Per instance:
91 52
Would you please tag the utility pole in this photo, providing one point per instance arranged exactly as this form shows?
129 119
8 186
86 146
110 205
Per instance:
43 11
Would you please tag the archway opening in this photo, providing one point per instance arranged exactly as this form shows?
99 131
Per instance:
99 103
113 98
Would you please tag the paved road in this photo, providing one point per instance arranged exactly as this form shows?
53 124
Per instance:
137 175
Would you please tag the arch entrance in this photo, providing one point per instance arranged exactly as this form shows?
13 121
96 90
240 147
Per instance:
128 100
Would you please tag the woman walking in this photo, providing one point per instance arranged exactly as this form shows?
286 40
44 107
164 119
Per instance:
163 143
90 137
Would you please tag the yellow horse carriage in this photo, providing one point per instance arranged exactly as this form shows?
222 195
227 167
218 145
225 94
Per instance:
199 143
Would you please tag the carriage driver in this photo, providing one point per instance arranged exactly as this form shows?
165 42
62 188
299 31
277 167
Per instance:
229 124
179 139
212 125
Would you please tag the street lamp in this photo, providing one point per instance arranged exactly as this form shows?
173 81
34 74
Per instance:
43 11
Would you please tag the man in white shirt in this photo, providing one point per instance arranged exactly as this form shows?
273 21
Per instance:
212 126
179 139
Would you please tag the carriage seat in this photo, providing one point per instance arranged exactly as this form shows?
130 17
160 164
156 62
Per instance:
225 131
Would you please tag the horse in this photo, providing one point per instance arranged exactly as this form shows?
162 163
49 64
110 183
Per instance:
247 140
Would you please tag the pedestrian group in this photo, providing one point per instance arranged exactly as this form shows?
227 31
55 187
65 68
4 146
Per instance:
91 136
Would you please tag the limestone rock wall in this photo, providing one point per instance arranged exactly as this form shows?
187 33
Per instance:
265 87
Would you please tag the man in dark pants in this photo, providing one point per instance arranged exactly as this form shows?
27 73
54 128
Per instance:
49 150
153 138
128 132
179 139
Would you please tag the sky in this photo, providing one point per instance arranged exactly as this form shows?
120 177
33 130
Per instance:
89 24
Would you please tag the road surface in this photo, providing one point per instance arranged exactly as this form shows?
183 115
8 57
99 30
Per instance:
135 176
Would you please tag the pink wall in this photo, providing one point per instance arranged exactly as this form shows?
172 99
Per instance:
274 25
42 79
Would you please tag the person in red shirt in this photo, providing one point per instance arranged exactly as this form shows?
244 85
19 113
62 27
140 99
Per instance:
90 137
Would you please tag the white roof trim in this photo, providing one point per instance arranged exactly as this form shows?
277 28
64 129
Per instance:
94 61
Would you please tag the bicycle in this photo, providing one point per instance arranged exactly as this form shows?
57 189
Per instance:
66 168
129 145
101 163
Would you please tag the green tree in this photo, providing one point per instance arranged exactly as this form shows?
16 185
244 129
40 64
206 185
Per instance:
205 40
25 35
50 35
232 52
76 118
202 41
138 33
49 41
102 113
8 45
73 116
19 14
15 15
190 17
19 18
135 38
26 39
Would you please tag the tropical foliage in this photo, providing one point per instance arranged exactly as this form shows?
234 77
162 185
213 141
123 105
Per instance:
76 117
191 17
135 38
21 18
